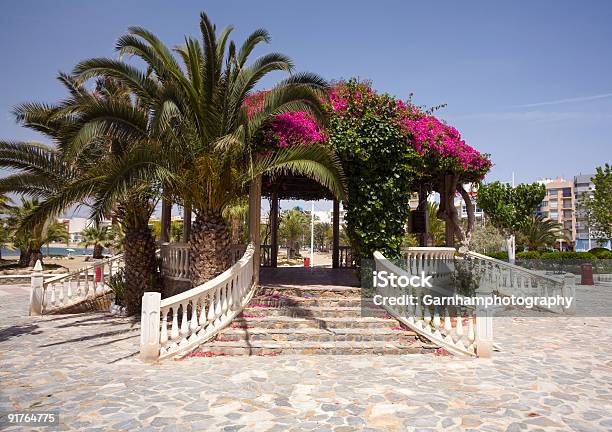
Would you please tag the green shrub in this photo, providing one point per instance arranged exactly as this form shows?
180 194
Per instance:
601 253
529 255
561 256
117 284
498 255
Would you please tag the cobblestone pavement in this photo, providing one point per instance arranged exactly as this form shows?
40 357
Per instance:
554 374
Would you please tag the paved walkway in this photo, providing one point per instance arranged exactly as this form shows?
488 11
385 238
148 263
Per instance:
553 375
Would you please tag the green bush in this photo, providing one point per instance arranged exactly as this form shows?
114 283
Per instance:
529 255
601 253
562 256
498 255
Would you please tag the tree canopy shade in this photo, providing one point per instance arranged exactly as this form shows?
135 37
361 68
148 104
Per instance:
598 208
510 209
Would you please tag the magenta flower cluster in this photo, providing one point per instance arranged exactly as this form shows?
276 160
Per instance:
430 135
296 128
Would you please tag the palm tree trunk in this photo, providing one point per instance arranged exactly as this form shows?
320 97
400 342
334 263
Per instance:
209 247
140 267
24 257
33 256
97 252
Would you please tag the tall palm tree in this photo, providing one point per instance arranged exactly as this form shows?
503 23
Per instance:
98 237
207 155
541 232
79 167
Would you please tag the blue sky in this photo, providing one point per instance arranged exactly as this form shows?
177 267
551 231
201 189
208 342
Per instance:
529 82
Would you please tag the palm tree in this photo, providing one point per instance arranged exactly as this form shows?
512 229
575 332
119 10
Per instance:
292 225
98 237
77 170
541 232
31 240
436 225
207 156
237 215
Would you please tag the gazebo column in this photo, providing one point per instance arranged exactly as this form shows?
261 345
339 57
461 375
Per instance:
186 222
424 237
166 215
336 235
274 229
254 224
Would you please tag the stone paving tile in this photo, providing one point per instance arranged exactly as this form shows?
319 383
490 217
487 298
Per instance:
554 374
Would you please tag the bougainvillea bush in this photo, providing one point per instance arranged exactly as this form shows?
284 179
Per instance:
387 147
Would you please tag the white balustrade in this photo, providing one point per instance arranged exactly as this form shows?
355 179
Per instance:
459 330
506 279
184 321
436 261
175 260
62 291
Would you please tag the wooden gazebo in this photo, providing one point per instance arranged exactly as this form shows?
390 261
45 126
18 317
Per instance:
285 187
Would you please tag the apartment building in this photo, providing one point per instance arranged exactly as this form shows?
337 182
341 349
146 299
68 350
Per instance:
559 205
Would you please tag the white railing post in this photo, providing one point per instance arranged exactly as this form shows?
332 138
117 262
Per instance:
149 326
484 333
569 291
36 290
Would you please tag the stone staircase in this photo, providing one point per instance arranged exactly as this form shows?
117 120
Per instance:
316 319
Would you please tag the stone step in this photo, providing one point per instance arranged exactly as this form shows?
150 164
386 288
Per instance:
317 335
337 348
315 312
272 322
286 300
305 291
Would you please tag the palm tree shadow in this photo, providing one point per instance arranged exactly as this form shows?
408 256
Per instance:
19 330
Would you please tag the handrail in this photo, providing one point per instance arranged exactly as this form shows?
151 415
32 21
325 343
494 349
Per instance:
82 269
447 332
208 285
512 267
62 291
175 326
508 279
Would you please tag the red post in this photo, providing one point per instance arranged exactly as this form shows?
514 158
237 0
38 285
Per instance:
586 276
306 262
98 273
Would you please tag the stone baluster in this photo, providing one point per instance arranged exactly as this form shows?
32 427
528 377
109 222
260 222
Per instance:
459 331
193 323
60 296
163 338
174 332
184 331
471 335
69 289
212 305
436 323
202 317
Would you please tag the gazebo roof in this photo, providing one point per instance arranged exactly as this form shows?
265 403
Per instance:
294 187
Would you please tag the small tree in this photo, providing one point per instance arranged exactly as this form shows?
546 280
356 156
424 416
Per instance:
486 239
322 235
293 224
509 208
99 238
598 208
